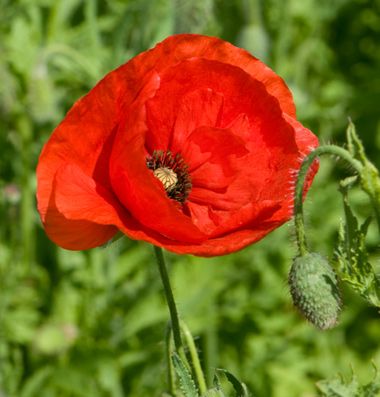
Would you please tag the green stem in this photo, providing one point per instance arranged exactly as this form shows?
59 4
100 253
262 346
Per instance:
169 299
210 346
194 358
169 350
298 199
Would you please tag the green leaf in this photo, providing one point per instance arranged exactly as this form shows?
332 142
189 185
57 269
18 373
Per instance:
240 388
339 387
186 381
215 392
352 256
369 177
36 381
354 144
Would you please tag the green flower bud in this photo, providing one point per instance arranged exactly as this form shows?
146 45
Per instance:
314 289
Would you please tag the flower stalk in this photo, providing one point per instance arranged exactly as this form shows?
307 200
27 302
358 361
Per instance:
169 352
174 333
199 375
169 299
298 199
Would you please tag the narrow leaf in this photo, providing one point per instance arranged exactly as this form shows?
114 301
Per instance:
355 146
186 382
339 387
352 256
240 388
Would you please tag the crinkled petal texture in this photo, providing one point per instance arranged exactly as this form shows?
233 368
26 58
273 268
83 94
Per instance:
229 117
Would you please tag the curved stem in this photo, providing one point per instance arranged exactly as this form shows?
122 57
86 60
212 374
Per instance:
169 299
194 358
298 202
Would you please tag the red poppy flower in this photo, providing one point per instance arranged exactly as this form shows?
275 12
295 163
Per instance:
189 146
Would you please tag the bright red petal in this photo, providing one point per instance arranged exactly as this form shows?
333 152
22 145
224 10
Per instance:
212 154
169 126
83 214
250 116
185 46
226 244
78 197
74 234
138 189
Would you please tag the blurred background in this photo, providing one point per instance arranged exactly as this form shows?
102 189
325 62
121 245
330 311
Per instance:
92 323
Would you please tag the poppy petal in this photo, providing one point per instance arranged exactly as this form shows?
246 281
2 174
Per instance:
81 208
79 197
72 234
138 189
186 46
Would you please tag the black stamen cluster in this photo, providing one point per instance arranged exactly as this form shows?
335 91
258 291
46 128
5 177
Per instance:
160 159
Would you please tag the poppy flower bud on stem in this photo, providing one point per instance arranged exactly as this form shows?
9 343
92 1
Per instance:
314 289
313 283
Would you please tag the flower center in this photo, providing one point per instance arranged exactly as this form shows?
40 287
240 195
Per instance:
167 176
172 172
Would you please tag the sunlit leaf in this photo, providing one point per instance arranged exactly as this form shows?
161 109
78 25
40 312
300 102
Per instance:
185 379
352 256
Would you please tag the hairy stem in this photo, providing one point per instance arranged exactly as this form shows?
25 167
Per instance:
194 358
298 202
169 350
169 299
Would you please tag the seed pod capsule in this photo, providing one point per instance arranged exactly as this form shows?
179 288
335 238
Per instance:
314 289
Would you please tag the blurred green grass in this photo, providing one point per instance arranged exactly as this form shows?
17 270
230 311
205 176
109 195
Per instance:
92 323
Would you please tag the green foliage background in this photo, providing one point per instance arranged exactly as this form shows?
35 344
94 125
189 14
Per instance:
92 323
